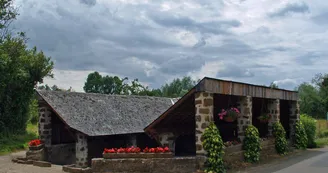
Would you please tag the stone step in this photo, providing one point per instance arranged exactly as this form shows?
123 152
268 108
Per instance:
41 164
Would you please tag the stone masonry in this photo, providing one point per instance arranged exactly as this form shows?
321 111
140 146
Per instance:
274 110
203 117
294 115
45 131
168 140
45 126
245 107
81 150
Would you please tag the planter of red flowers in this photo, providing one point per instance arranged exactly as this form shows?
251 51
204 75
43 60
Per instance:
135 152
229 115
35 144
264 118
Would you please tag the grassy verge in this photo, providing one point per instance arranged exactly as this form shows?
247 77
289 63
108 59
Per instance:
321 142
19 142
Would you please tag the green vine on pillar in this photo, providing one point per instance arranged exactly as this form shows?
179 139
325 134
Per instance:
252 145
279 133
213 145
301 139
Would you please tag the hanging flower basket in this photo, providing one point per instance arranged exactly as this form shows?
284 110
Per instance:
229 119
35 144
264 118
229 115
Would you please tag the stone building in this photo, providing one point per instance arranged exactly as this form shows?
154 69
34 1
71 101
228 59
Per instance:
187 119
76 127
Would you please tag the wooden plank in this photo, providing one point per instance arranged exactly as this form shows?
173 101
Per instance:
242 89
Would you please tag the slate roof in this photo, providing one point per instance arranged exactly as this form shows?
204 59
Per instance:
100 114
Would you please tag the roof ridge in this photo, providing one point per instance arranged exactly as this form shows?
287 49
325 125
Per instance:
111 95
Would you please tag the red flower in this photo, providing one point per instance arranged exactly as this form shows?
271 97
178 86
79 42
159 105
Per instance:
152 150
166 149
121 150
109 150
146 150
35 142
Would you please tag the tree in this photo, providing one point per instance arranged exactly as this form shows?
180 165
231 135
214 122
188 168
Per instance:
94 83
314 96
21 69
273 85
114 85
7 15
178 87
53 88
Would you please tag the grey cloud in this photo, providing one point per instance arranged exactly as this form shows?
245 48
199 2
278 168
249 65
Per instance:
107 38
200 43
308 58
291 8
321 19
235 71
89 2
233 47
213 27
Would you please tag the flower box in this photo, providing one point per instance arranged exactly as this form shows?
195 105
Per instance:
136 155
37 147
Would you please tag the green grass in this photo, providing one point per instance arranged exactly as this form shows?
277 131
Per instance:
12 143
321 142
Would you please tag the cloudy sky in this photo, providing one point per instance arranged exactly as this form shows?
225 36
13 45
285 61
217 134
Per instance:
253 41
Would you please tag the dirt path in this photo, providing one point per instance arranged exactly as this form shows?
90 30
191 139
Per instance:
6 166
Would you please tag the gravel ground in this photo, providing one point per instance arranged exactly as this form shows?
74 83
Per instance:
7 166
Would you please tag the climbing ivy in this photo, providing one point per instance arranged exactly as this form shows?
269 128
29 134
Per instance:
301 139
252 145
213 145
280 138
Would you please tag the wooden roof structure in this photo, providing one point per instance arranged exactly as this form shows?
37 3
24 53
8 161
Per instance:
216 86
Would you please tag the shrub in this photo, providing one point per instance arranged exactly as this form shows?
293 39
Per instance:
301 140
280 142
252 145
323 134
213 144
310 129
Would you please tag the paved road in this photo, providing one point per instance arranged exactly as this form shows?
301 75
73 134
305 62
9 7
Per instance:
311 161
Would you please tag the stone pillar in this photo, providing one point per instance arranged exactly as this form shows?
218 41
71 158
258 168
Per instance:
294 117
45 126
45 131
203 117
81 149
168 140
245 107
274 110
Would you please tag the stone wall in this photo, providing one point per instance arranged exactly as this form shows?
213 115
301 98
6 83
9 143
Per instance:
204 115
245 107
63 154
294 115
81 150
236 154
147 165
274 110
168 140
45 130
